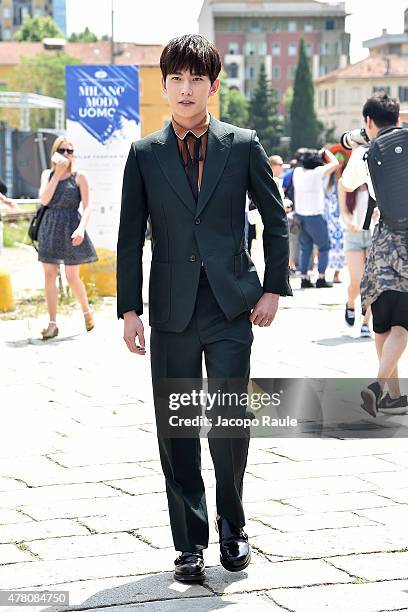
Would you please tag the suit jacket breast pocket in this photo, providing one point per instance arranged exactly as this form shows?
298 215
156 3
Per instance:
159 292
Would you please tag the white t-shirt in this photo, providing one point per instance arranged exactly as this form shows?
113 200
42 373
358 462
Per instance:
309 193
356 173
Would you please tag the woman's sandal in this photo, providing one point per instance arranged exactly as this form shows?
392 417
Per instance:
51 331
89 320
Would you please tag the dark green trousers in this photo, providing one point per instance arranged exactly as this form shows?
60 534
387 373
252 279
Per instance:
226 346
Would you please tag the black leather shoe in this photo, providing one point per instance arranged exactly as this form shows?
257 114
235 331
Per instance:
189 567
235 551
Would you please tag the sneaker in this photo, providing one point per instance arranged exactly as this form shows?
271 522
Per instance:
371 397
365 331
322 283
397 405
306 283
350 316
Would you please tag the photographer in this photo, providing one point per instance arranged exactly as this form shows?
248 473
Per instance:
308 186
384 285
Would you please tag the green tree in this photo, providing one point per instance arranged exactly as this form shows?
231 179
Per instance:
304 127
43 74
35 29
85 37
263 114
233 105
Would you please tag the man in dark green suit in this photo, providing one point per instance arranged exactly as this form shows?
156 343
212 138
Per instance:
191 179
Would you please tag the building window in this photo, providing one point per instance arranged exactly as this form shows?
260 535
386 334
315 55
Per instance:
403 93
276 26
385 88
394 49
233 48
276 93
292 27
308 27
276 73
262 48
233 25
292 49
326 98
249 48
291 72
333 97
276 49
330 24
309 49
255 25
232 70
7 34
250 72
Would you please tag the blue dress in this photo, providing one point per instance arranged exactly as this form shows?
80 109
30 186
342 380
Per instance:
332 216
60 220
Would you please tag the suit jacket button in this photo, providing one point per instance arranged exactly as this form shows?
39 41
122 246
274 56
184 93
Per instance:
193 258
197 221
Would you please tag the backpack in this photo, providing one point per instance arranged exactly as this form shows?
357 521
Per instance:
387 163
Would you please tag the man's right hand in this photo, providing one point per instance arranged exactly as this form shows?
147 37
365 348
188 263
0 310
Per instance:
133 328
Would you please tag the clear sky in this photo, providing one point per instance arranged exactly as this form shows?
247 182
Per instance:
156 21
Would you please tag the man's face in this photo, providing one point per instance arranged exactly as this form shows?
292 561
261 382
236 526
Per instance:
370 127
277 168
188 93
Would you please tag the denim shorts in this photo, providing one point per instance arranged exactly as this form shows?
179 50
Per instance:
357 241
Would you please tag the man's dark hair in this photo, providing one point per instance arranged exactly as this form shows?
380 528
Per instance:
311 159
384 111
191 52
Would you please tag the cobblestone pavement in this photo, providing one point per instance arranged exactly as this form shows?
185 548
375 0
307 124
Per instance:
82 502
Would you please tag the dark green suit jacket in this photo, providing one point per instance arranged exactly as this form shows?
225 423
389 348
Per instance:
186 234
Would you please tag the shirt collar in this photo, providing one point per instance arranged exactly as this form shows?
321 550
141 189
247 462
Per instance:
198 130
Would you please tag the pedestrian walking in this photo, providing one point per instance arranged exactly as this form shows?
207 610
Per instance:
332 215
357 241
309 198
62 236
384 285
204 291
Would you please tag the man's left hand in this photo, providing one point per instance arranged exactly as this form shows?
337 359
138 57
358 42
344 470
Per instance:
265 310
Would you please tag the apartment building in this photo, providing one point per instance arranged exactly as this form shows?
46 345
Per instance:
252 32
13 13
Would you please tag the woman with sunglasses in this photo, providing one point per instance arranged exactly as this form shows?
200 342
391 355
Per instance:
62 237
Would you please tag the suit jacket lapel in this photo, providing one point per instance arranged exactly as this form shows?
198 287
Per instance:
168 156
218 149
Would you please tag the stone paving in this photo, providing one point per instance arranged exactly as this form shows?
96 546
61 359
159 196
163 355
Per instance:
82 502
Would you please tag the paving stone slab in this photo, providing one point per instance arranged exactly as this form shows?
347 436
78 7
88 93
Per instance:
318 521
8 484
88 546
374 567
38 495
276 575
100 506
314 486
238 603
12 516
126 520
343 501
121 591
330 542
370 597
9 553
388 480
394 517
328 467
38 530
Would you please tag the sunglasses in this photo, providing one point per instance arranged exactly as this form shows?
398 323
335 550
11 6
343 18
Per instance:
62 151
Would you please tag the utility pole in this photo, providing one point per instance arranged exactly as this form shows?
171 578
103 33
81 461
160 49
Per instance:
112 47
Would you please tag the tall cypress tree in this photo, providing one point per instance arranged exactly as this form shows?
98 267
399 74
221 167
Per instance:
263 114
304 127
